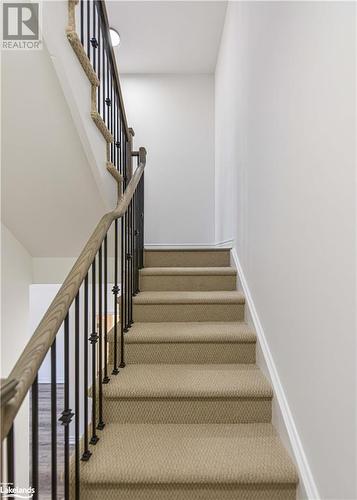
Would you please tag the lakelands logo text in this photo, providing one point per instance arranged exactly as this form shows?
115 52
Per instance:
21 26
7 490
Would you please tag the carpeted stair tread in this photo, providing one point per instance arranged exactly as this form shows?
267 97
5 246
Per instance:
188 271
188 381
200 332
187 257
151 454
164 297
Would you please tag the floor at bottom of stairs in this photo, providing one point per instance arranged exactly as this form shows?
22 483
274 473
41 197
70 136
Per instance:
189 461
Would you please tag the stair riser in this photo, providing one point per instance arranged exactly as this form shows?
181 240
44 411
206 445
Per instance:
187 283
189 492
188 411
177 258
156 313
188 353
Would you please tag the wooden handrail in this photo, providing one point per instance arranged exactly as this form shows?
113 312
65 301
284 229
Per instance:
7 391
28 364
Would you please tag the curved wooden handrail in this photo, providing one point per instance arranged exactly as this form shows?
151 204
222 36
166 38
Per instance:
28 364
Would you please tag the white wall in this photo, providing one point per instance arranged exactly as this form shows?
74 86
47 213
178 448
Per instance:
16 277
173 117
77 91
285 192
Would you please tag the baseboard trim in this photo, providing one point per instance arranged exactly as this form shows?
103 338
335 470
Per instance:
165 246
169 246
295 442
225 243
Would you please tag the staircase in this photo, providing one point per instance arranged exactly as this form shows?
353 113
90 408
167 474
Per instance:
189 417
179 409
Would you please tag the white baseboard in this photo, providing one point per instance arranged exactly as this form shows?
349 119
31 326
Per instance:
302 464
224 243
169 246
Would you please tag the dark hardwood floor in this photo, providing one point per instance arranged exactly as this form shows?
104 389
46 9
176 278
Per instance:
45 441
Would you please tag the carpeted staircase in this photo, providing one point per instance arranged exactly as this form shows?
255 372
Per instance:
189 417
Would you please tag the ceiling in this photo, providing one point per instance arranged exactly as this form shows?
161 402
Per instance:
167 36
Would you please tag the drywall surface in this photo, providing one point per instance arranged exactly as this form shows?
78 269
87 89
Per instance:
49 198
173 117
77 92
16 276
285 192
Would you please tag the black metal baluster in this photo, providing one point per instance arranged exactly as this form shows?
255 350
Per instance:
115 294
76 399
132 255
119 143
114 129
88 29
102 80
107 100
34 424
99 66
101 424
129 244
111 117
106 378
131 262
93 40
125 290
86 453
82 20
53 422
142 217
93 340
128 256
128 320
116 140
67 412
138 239
10 456
122 304
136 233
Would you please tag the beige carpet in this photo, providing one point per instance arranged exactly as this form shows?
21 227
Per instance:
166 343
187 278
157 306
189 417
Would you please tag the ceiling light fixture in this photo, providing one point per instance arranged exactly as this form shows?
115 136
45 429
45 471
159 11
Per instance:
114 36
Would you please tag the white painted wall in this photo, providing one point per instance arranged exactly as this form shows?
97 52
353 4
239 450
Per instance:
77 92
16 277
285 192
173 117
46 181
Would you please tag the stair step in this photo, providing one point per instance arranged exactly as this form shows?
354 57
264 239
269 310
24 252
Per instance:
184 257
188 394
189 462
188 278
192 343
188 306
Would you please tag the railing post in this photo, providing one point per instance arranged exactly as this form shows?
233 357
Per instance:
93 340
34 426
54 421
86 453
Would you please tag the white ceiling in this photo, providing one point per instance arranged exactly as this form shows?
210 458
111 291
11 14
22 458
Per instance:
167 36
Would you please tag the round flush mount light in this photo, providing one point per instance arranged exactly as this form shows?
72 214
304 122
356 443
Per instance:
114 36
